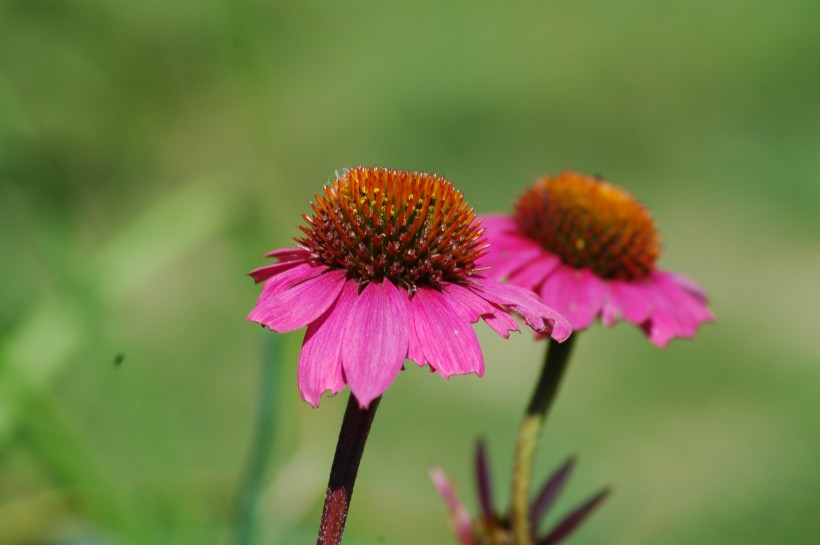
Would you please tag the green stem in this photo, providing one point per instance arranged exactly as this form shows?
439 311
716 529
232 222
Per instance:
246 524
529 433
349 449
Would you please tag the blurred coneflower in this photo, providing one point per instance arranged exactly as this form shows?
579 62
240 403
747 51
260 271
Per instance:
589 249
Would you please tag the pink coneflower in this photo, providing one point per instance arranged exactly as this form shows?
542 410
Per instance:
589 249
387 271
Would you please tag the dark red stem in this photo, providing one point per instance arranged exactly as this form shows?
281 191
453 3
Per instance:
349 449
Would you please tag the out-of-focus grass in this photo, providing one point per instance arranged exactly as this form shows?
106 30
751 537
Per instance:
151 151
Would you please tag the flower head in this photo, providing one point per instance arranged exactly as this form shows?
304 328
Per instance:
493 528
589 249
386 270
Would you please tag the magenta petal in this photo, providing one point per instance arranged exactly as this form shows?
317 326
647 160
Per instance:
509 250
688 284
448 340
536 314
577 293
375 340
263 273
501 322
415 346
626 300
497 223
289 254
676 312
472 307
468 304
500 262
533 273
415 349
462 525
320 365
298 305
289 277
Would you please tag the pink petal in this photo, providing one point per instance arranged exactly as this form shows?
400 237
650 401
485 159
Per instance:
448 340
503 232
627 300
577 293
289 254
462 525
375 340
415 346
415 349
688 284
536 314
468 304
298 305
501 322
497 223
509 250
533 273
676 312
499 263
263 273
320 366
291 276
472 306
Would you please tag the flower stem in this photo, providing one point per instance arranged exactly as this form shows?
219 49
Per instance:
529 432
349 449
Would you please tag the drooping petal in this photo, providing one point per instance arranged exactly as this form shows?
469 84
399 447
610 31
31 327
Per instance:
466 303
375 340
576 293
626 300
300 304
536 271
263 273
536 314
320 363
688 284
288 254
509 251
415 349
676 312
462 525
288 277
502 323
415 346
448 340
502 263
473 306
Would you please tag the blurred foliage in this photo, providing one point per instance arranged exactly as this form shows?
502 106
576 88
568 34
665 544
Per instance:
151 151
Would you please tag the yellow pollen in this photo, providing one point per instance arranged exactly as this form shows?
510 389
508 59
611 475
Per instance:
580 244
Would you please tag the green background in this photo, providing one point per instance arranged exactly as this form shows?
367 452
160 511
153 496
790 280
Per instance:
151 151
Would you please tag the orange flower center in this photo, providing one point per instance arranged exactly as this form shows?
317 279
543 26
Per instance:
590 223
411 228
